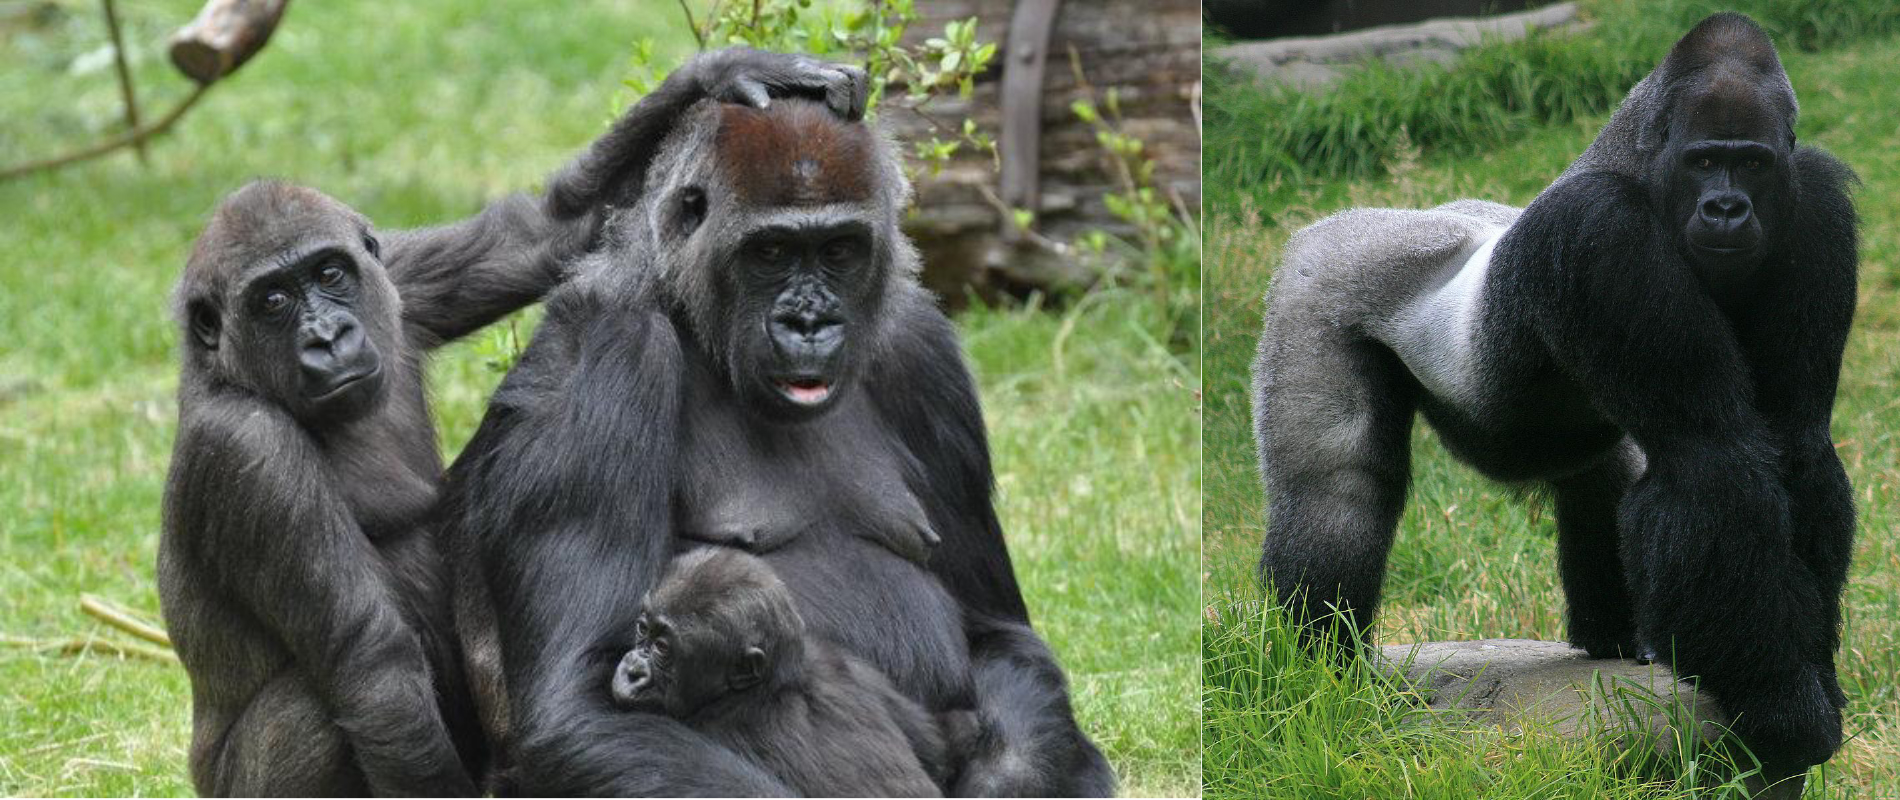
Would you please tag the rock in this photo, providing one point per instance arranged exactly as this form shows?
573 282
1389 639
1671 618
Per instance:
1314 61
1551 686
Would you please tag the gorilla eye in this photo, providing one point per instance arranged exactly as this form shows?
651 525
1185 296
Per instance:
660 647
770 252
274 302
1704 162
374 247
330 277
839 250
640 629
1752 164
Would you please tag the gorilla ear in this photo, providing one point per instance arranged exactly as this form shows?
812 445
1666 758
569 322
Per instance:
750 671
692 209
204 323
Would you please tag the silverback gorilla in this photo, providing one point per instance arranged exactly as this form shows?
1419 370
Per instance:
720 646
1656 340
750 362
300 582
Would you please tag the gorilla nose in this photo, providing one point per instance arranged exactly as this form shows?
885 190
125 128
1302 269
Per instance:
330 346
630 680
1725 210
807 333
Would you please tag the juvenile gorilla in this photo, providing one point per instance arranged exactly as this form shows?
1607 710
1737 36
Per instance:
720 646
1657 339
298 575
751 363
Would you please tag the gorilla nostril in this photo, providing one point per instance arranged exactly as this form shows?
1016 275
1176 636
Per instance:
1725 209
335 338
805 324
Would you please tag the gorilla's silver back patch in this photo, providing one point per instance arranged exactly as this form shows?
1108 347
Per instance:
1435 334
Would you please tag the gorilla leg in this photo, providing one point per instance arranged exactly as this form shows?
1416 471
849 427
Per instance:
1029 745
1601 619
285 744
1333 424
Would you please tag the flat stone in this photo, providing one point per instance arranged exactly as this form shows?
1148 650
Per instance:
1521 684
1301 61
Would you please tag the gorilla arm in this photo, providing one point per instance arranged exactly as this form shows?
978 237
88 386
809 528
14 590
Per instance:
566 492
1031 745
613 170
459 277
1708 529
281 541
1795 341
453 279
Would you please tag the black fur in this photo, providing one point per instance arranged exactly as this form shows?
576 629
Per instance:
299 580
723 374
721 647
297 571
1658 341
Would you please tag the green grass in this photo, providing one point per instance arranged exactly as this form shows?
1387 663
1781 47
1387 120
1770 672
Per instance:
1265 144
416 113
1473 559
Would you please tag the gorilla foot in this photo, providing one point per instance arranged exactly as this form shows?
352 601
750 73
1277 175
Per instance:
1609 644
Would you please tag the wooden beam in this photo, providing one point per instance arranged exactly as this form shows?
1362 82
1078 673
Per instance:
224 35
1025 55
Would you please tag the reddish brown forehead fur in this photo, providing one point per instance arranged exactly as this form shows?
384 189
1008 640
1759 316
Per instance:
795 154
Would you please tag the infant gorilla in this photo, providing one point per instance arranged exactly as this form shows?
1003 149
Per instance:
720 647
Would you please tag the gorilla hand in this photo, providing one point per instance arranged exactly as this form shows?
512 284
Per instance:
752 77
613 169
1788 728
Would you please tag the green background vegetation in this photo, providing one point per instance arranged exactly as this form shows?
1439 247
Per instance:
1473 559
416 113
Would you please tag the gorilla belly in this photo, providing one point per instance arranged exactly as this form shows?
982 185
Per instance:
881 608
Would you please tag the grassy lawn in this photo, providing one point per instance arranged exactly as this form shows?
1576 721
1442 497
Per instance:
416 113
1473 559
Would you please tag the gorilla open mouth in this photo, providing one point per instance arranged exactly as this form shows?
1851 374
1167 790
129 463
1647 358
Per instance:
804 391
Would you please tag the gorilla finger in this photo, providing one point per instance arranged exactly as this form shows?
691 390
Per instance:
752 93
847 96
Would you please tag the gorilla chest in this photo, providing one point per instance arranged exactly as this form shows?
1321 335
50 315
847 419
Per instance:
762 487
883 609
827 504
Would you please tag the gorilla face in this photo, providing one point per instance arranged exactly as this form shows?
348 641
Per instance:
803 282
776 237
1727 179
293 307
681 664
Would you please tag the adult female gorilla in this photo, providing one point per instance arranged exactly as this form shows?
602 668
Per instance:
753 364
